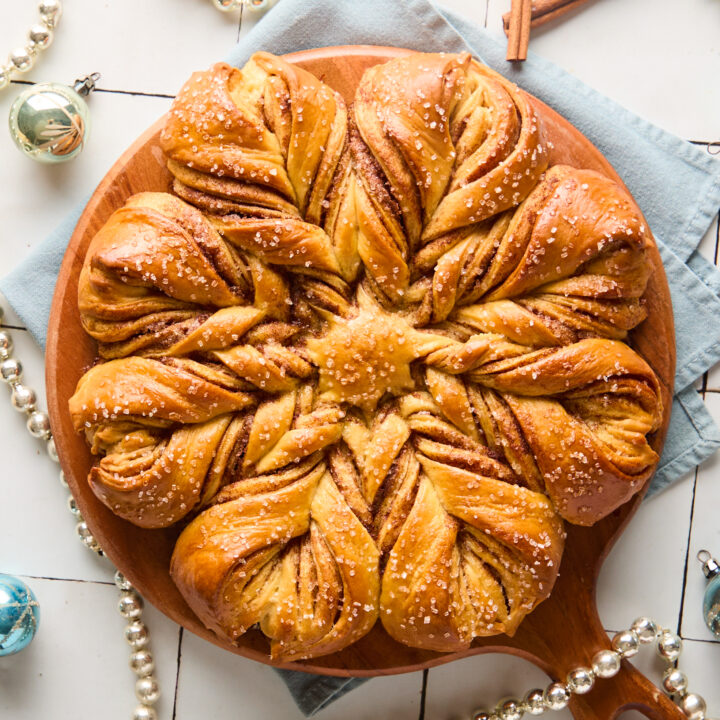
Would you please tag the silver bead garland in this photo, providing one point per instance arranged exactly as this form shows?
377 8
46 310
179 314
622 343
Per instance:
606 664
40 37
130 605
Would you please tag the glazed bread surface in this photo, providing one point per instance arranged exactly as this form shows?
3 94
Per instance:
370 358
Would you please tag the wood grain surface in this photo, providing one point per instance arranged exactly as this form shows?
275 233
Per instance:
562 633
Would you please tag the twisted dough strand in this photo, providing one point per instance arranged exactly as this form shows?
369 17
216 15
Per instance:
156 267
474 556
316 594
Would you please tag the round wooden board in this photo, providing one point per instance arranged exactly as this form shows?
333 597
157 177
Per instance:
561 633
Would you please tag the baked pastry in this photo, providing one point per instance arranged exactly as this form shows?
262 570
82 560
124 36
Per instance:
370 358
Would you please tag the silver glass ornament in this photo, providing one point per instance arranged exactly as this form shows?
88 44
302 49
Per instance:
22 59
83 531
5 75
557 696
693 706
645 629
10 370
142 663
6 345
121 582
52 450
481 715
49 122
509 709
130 605
669 645
626 643
137 635
40 36
50 11
23 398
38 424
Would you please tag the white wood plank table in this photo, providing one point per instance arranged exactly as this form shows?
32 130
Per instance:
659 58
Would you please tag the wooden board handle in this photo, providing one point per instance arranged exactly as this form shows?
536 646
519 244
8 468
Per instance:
628 690
575 641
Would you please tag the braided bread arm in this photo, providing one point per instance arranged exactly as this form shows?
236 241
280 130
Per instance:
586 422
155 271
154 472
563 416
159 393
267 135
501 152
155 481
474 557
295 560
572 258
450 550
441 143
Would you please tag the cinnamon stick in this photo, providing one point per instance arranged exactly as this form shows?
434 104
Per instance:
519 29
544 11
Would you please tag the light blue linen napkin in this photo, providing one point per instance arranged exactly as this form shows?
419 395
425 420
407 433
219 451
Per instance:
676 184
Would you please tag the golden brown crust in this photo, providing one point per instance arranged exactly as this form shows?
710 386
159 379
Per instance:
374 356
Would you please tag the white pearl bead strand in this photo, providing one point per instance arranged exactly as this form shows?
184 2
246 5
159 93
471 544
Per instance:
607 664
40 37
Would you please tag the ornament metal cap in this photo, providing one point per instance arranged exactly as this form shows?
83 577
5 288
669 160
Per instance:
84 86
710 566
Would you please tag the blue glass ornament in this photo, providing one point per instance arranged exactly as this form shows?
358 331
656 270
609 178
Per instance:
19 615
711 600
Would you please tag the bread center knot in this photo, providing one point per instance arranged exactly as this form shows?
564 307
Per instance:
363 357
